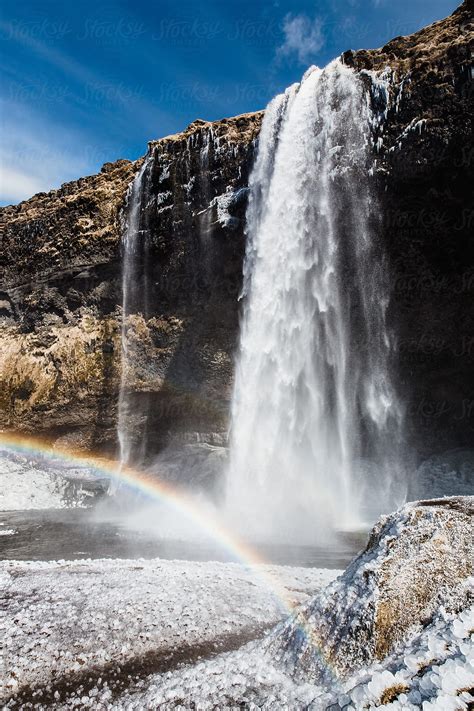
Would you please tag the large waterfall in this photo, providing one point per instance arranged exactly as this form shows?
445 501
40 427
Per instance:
315 437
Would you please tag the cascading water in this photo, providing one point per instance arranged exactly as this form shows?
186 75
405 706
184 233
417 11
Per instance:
316 423
135 298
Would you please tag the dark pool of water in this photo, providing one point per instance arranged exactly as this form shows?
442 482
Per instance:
77 533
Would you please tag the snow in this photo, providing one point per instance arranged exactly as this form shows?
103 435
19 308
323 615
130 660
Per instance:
163 197
431 672
158 634
155 634
7 531
27 487
223 202
435 670
29 484
245 678
66 617
416 557
72 620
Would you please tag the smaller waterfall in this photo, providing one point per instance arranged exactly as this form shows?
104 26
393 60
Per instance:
316 422
135 299
204 217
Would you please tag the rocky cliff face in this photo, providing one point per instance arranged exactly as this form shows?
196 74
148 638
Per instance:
60 294
425 174
191 221
60 287
60 298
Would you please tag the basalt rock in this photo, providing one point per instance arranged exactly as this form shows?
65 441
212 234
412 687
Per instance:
60 294
425 170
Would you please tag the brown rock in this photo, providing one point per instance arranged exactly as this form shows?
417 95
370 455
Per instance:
416 559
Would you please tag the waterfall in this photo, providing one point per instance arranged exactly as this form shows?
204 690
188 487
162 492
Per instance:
135 299
316 423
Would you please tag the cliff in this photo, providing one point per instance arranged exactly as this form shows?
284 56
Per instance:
60 268
425 175
188 281
60 294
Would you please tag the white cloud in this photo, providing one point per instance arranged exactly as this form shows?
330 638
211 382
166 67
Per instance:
16 186
303 37
37 154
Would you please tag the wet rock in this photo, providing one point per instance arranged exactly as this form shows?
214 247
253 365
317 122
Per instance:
200 464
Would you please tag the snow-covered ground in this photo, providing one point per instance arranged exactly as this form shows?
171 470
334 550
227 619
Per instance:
27 487
125 634
28 484
6 531
434 672
163 634
67 622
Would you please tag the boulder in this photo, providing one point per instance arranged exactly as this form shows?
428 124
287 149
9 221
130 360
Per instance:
417 560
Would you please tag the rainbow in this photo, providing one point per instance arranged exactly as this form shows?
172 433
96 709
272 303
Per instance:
179 501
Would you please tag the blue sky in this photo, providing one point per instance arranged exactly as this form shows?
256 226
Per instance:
87 82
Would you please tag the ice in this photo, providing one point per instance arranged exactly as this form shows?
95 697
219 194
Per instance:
69 618
90 622
27 487
249 677
434 671
30 484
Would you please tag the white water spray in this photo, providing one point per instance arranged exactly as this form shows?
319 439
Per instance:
315 420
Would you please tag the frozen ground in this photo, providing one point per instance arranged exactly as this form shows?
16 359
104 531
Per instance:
101 624
434 672
156 635
164 634
27 487
6 531
28 484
